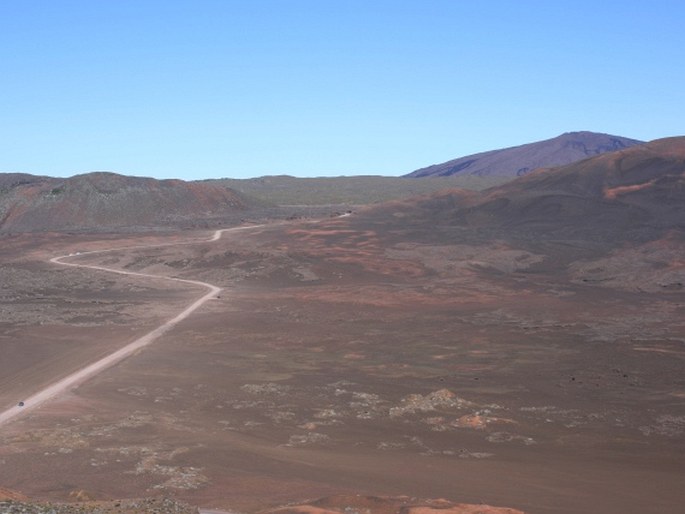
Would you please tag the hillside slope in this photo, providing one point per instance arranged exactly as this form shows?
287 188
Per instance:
637 193
616 220
106 200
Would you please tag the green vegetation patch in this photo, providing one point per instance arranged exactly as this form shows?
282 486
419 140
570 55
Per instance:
360 190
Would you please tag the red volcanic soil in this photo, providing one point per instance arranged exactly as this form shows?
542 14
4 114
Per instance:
481 373
612 193
7 494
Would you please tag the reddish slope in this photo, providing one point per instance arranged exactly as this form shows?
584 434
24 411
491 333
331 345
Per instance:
637 193
8 494
108 200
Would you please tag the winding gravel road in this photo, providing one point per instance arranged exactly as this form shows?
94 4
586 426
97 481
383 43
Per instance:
93 369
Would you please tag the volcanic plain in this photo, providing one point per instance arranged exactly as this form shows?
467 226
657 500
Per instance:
416 348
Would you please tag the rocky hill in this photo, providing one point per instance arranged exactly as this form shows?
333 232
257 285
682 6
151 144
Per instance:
519 160
633 194
10 180
614 221
107 200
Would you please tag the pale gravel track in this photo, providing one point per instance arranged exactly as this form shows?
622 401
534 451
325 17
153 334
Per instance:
80 376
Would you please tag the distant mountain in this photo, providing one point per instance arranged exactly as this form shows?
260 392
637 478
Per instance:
519 160
616 220
107 200
636 194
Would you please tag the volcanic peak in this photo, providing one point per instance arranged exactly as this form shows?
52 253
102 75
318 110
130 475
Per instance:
520 160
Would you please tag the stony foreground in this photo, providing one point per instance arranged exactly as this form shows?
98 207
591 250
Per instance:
340 504
146 506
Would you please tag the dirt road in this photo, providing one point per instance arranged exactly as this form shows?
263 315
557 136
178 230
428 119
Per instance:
90 370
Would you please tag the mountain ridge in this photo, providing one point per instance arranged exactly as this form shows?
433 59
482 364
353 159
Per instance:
635 194
106 200
522 159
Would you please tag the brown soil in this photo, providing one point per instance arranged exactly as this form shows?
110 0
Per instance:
345 360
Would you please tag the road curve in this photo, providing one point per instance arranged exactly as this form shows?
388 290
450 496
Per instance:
90 370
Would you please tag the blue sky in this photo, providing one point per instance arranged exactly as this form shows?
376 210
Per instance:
207 89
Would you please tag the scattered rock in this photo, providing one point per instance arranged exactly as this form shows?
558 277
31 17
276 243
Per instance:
666 425
348 504
307 439
269 388
144 506
506 437
442 398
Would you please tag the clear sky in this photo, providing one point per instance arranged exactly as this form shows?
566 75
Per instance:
222 88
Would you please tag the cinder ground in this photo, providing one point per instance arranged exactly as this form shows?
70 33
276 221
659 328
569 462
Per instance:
341 360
